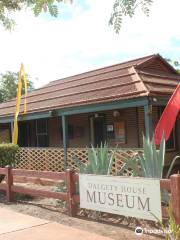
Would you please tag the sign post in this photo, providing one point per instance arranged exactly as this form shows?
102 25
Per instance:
133 197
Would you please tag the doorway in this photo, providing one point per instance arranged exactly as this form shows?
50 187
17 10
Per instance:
97 130
24 134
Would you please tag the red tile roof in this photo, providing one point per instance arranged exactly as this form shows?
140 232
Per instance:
147 76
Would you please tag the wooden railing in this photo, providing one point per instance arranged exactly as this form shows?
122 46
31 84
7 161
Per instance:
52 159
71 179
172 185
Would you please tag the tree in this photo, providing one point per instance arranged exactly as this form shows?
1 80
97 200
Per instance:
174 63
8 85
122 8
37 6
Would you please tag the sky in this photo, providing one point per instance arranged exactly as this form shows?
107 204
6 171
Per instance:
80 39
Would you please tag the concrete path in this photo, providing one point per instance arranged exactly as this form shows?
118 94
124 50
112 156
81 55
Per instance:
18 226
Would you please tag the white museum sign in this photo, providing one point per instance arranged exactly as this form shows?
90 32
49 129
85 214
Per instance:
135 197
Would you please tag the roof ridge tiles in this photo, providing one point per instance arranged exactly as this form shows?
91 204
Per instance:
107 67
137 77
150 57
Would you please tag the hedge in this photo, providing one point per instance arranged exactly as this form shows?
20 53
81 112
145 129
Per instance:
8 152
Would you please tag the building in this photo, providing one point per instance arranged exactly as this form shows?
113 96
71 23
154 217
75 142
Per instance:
115 104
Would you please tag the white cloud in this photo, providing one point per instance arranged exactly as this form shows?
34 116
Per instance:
51 49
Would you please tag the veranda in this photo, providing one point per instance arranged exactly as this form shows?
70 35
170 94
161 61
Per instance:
52 159
115 104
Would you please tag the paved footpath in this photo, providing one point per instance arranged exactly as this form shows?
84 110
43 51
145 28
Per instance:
17 226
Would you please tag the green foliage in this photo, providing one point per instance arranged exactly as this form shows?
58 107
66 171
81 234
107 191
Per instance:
174 63
45 5
173 226
171 166
122 8
8 152
99 161
152 161
172 231
6 7
131 164
8 85
37 6
148 164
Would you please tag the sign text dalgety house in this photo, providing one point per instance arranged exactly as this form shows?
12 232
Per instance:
135 197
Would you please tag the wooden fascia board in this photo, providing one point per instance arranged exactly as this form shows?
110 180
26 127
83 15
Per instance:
155 101
32 116
139 102
105 106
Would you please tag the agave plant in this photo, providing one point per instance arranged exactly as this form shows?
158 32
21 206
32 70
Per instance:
99 161
148 164
152 159
133 165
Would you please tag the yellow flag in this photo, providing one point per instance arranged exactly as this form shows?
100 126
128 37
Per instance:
21 76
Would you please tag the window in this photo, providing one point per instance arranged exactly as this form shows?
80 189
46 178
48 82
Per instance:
42 133
24 134
120 131
171 143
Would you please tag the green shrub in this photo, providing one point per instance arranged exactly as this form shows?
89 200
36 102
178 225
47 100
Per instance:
148 164
99 161
8 153
173 228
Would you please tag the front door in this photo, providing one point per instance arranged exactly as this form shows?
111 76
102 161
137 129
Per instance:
97 127
24 134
